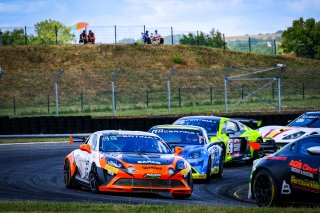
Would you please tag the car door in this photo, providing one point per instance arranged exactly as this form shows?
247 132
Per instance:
304 167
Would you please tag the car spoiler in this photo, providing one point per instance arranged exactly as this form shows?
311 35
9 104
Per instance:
253 123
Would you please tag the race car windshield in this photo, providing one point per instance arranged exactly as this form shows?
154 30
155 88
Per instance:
210 125
311 121
180 136
133 143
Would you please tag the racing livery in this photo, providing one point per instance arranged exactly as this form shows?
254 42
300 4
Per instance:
128 161
204 157
234 137
289 175
306 124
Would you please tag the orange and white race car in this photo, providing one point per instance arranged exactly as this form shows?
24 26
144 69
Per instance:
128 161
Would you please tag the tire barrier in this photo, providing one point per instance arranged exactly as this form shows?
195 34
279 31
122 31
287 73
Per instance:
88 124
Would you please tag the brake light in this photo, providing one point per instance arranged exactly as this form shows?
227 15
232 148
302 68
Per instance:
276 158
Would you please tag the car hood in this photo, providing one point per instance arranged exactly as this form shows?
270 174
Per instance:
277 133
144 158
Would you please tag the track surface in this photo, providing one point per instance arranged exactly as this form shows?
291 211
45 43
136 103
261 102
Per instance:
35 172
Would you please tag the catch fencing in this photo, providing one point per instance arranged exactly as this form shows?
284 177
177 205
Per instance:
90 92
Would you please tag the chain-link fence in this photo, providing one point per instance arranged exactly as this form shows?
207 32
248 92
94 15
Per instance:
89 92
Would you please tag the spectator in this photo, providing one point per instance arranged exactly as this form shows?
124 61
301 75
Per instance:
83 37
147 39
157 37
91 37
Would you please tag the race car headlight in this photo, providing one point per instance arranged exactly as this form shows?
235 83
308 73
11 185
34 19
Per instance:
171 171
293 136
180 165
195 155
114 163
131 170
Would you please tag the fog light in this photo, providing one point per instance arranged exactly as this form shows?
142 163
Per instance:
131 170
171 171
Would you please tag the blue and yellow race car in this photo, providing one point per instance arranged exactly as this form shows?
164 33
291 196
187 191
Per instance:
204 157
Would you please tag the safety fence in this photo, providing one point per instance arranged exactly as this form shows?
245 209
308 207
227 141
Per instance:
262 44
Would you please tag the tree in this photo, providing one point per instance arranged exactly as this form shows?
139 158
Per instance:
14 37
302 38
213 39
46 32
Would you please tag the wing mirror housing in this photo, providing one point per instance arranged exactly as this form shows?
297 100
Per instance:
230 132
315 150
85 148
178 150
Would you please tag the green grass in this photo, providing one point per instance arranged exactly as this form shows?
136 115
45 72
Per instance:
103 207
194 107
31 140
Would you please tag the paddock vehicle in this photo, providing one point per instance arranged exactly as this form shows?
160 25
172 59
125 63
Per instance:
204 157
236 139
306 124
128 161
289 175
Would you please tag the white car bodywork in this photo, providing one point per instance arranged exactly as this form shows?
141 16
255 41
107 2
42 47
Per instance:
295 130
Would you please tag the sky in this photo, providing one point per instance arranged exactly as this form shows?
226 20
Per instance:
231 17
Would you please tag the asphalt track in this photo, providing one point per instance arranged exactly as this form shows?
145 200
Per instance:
34 172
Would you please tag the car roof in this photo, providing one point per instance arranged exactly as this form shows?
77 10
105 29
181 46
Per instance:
316 113
174 126
125 132
209 117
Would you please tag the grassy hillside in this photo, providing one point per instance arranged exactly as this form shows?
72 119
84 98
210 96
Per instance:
30 72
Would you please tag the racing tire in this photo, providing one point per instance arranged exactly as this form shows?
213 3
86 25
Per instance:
265 189
68 179
190 183
220 173
207 180
223 154
94 180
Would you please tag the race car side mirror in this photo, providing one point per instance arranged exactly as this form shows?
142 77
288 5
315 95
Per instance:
315 150
85 148
177 150
230 132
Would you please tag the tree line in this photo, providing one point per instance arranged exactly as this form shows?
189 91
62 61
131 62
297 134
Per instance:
301 39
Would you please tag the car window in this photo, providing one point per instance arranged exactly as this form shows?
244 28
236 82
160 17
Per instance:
92 141
288 149
210 125
306 143
229 125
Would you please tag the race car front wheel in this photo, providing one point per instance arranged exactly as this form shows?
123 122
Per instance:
190 183
208 170
265 189
93 179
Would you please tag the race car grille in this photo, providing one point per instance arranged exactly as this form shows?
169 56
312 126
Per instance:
149 183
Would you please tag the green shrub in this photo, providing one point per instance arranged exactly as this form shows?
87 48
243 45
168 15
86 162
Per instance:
176 59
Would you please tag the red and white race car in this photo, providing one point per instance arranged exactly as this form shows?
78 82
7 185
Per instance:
306 124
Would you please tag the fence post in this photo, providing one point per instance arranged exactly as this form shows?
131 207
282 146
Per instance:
197 37
211 94
115 34
48 103
25 35
56 32
242 91
303 91
58 77
147 98
275 47
171 73
81 101
249 44
179 92
225 95
171 35
14 105
279 94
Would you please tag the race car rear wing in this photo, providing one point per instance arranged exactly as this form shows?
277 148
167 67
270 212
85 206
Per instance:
253 123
